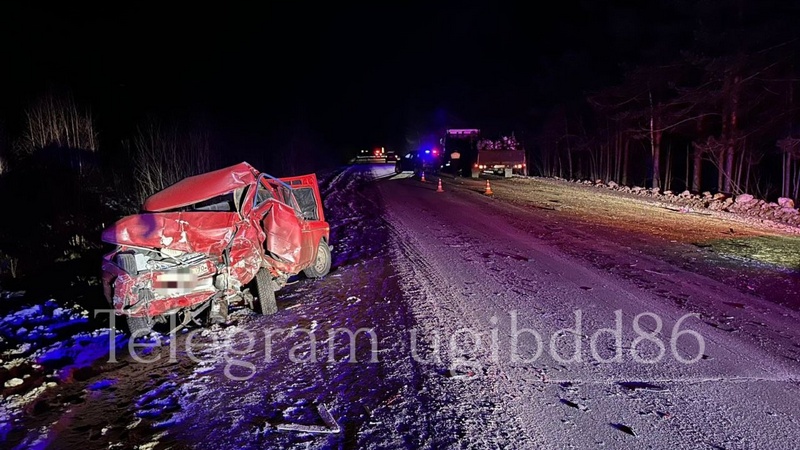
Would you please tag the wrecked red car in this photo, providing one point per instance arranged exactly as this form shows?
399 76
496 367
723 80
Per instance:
213 240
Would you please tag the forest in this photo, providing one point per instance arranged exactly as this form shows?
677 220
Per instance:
712 105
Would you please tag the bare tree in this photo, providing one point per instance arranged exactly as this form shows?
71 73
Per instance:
648 104
164 155
790 158
57 121
549 161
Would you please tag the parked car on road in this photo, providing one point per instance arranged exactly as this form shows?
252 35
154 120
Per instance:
230 236
428 161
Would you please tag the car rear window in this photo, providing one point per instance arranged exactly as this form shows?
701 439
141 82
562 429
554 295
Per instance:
222 203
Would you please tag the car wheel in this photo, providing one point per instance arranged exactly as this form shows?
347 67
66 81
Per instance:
266 294
322 263
137 326
141 326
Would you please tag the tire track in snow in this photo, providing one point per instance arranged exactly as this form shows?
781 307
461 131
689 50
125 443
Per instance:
475 406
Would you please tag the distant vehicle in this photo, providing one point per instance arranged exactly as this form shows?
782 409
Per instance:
370 156
461 150
469 155
504 156
429 161
378 155
202 243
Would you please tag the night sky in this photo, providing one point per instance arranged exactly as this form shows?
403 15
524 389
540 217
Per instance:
354 76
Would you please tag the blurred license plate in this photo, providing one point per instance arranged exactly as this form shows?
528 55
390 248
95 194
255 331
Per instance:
200 270
183 279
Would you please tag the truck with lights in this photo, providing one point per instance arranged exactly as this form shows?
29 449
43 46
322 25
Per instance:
504 156
470 155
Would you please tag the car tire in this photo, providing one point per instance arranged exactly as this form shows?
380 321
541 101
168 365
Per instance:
141 326
137 326
322 262
266 293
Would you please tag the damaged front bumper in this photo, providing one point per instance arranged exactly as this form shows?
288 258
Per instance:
164 287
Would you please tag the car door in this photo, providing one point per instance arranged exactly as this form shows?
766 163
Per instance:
281 223
306 192
308 201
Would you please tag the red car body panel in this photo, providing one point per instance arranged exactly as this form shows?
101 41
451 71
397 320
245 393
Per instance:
200 187
185 231
226 248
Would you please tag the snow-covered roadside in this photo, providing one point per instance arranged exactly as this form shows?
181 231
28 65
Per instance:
744 209
43 345
780 215
186 398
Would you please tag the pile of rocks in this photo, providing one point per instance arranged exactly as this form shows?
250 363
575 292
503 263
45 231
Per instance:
782 211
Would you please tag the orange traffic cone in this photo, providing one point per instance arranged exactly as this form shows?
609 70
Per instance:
488 190
439 188
422 178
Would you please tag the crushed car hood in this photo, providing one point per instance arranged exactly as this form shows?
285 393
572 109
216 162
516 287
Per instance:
205 232
202 187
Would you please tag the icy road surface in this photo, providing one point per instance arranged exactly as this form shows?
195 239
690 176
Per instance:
476 322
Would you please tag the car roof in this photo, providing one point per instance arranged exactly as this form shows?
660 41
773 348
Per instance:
201 187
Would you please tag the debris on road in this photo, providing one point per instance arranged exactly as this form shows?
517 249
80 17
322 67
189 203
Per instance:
330 425
574 405
624 428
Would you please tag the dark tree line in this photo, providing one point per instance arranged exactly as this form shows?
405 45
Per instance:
721 114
